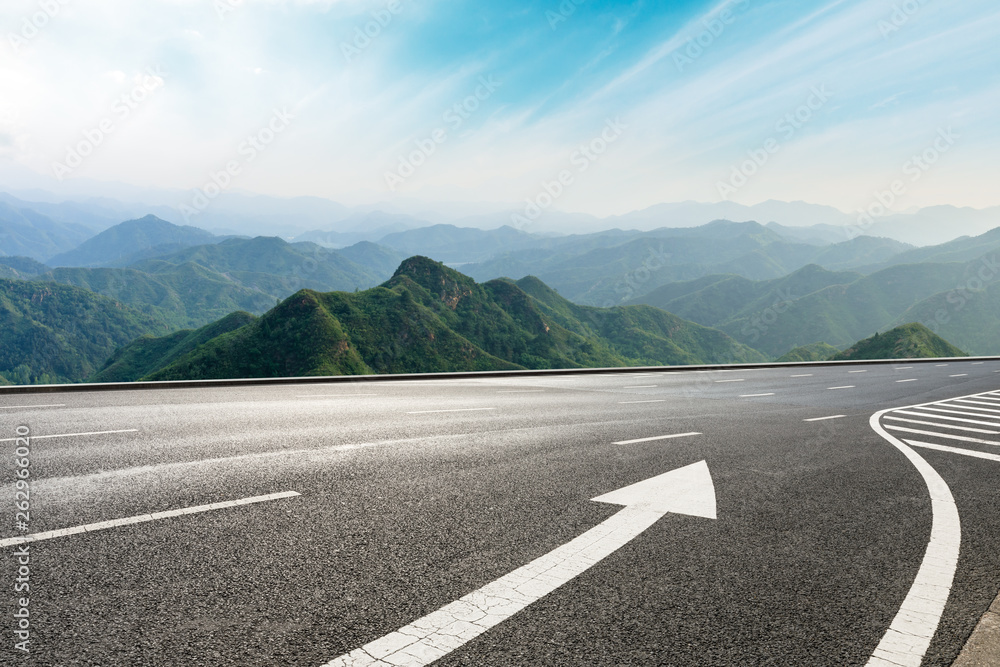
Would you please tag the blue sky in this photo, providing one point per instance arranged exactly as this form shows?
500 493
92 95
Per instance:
749 100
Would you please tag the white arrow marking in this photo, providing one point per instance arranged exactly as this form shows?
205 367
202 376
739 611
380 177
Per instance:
688 490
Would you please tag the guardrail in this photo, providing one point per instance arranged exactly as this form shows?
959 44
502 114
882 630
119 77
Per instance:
322 379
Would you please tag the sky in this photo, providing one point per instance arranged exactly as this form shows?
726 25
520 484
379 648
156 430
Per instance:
575 105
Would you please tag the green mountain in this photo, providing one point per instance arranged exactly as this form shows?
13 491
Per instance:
274 266
59 333
124 242
908 341
178 295
813 352
842 314
26 232
968 315
625 266
716 300
430 318
144 355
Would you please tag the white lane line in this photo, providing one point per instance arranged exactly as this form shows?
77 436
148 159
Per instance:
331 395
755 395
939 365
739 380
964 405
641 386
73 435
967 411
846 386
996 401
26 407
944 417
977 363
864 371
959 375
655 437
903 368
819 419
427 412
687 490
955 427
659 400
803 375
955 450
155 516
908 380
909 636
948 436
521 391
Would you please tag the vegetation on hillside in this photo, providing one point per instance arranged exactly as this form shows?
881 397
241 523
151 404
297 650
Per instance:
908 341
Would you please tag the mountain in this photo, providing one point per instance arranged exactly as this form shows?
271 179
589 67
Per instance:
276 267
618 267
59 333
178 295
430 318
144 355
31 234
907 341
842 314
813 352
935 224
125 242
451 244
20 268
961 249
968 315
715 300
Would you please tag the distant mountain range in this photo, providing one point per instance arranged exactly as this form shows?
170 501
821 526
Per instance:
428 318
721 290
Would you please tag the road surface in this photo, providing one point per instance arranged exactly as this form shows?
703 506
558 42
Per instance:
298 524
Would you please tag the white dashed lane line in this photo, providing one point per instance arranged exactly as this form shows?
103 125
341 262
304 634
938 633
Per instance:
641 386
659 400
739 380
959 375
908 380
864 371
155 516
73 435
803 375
32 407
819 419
428 412
755 395
656 437
846 386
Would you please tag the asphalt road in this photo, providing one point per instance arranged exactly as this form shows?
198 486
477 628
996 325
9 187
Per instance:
415 494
